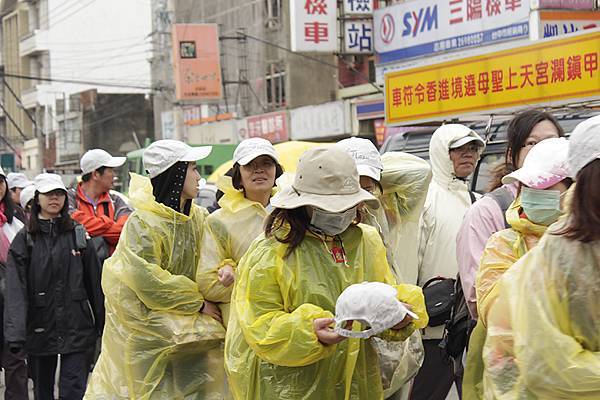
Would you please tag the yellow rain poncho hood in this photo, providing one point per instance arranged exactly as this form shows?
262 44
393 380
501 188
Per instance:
156 344
543 337
229 232
503 249
272 351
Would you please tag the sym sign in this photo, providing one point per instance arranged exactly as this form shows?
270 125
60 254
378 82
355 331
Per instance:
426 27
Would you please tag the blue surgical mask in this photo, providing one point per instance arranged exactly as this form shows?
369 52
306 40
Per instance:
542 207
332 223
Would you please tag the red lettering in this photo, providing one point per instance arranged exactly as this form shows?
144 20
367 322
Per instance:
558 70
526 74
497 80
541 70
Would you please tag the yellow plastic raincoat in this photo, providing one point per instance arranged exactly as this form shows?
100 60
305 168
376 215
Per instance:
405 179
503 249
156 344
271 349
229 232
543 338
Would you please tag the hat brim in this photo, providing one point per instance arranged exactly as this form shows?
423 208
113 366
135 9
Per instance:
248 159
533 179
289 198
49 188
371 172
467 139
196 154
115 162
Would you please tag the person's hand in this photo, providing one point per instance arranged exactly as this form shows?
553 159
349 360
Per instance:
406 321
325 332
212 311
226 275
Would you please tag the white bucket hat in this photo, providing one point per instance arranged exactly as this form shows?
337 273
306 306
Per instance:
584 145
326 178
45 183
365 155
27 195
97 158
544 166
374 304
252 148
17 180
163 154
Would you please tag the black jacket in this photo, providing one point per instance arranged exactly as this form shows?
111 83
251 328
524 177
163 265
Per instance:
53 302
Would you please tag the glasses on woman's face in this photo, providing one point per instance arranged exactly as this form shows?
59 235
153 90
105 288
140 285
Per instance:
260 164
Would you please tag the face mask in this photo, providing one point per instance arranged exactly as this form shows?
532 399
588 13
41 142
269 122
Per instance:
332 223
542 207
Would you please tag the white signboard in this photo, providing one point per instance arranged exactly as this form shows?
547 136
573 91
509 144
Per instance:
358 7
358 36
322 121
168 124
550 23
313 25
425 27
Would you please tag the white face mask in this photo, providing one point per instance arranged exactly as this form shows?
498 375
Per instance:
332 223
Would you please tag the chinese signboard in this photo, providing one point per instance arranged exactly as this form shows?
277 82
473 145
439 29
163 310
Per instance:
358 7
565 4
197 67
547 23
313 25
424 27
169 126
272 126
358 36
323 121
547 72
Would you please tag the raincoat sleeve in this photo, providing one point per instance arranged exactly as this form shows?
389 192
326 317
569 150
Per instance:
215 253
156 287
498 256
406 178
16 301
277 334
556 320
481 221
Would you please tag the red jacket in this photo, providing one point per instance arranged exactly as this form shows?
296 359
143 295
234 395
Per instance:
97 221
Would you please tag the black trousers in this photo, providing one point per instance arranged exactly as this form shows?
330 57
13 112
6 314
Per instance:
436 376
74 370
15 374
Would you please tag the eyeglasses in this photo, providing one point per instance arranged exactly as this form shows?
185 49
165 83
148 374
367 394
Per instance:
467 148
261 164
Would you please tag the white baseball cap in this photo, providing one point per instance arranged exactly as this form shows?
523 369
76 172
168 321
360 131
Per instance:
467 139
27 195
375 304
163 154
584 145
45 183
17 180
365 155
544 166
96 158
249 149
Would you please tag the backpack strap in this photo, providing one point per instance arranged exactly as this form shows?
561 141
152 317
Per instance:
504 199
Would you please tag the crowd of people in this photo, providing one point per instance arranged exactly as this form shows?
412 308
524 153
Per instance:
153 297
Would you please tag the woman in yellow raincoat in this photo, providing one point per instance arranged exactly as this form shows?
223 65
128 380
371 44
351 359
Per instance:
280 344
542 180
543 339
231 229
161 338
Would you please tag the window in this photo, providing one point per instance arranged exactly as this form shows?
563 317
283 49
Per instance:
275 85
273 13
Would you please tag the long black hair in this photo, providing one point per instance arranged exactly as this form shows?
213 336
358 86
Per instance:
64 223
9 205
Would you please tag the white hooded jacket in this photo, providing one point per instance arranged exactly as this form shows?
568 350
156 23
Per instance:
447 201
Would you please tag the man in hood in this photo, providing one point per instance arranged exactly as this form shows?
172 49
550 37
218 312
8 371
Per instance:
454 151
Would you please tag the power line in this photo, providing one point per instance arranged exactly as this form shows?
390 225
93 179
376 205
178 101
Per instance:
9 145
10 118
20 103
74 81
352 69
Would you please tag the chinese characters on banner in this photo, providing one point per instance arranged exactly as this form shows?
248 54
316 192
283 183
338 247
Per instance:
196 62
534 74
425 27
272 126
358 7
313 25
549 23
358 36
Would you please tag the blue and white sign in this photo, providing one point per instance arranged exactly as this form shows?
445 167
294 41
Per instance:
358 7
425 27
358 37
